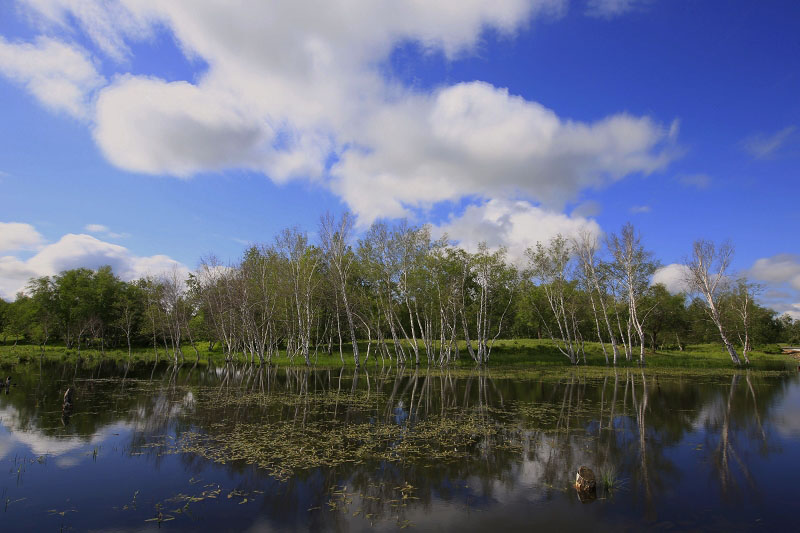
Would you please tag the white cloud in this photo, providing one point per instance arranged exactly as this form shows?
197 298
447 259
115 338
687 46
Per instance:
612 8
59 75
19 431
476 139
19 236
781 276
79 250
673 276
104 230
291 86
147 125
106 23
514 224
775 294
782 308
763 146
96 228
781 268
638 209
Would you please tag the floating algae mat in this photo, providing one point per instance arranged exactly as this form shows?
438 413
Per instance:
283 448
333 428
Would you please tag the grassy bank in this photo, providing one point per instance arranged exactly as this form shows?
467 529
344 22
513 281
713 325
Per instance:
511 353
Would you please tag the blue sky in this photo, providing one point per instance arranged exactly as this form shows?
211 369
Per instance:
184 129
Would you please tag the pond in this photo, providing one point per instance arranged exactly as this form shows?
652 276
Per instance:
245 448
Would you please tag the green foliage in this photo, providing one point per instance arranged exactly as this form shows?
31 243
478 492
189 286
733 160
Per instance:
396 295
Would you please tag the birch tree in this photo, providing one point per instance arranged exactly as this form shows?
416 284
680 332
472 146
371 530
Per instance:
215 284
742 300
334 237
172 305
303 263
705 271
379 273
495 284
129 307
633 266
549 265
586 247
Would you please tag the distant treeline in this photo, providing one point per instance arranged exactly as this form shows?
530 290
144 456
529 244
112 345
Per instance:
407 297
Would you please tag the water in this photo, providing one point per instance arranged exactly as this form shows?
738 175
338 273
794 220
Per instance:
239 448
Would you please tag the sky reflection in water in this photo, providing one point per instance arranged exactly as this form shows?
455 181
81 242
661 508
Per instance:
384 449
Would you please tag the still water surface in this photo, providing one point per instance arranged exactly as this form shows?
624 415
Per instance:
247 449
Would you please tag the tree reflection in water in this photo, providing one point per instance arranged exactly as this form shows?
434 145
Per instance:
383 444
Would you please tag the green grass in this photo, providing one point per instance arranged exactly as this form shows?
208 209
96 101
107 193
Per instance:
609 480
508 353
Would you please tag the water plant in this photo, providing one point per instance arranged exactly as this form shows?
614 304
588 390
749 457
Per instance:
610 480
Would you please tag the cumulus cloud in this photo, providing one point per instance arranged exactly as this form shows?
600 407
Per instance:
79 250
297 91
150 126
786 308
762 146
781 276
775 294
18 236
516 225
476 139
781 268
59 75
673 276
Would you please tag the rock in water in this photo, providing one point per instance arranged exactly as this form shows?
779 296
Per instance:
584 480
68 399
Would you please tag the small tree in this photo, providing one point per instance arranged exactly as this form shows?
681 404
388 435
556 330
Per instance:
129 308
334 236
633 266
43 299
705 271
550 266
744 308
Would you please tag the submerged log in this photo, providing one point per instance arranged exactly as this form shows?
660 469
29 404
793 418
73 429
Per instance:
585 484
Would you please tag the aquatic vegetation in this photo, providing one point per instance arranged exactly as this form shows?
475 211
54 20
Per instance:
610 480
61 513
284 447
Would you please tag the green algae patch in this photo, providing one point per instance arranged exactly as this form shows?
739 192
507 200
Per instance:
318 401
284 448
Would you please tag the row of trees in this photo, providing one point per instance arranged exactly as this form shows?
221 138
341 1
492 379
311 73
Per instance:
399 294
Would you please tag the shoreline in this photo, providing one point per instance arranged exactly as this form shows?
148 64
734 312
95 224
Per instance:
510 356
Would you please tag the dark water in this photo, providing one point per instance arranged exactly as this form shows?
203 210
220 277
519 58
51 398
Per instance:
240 448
